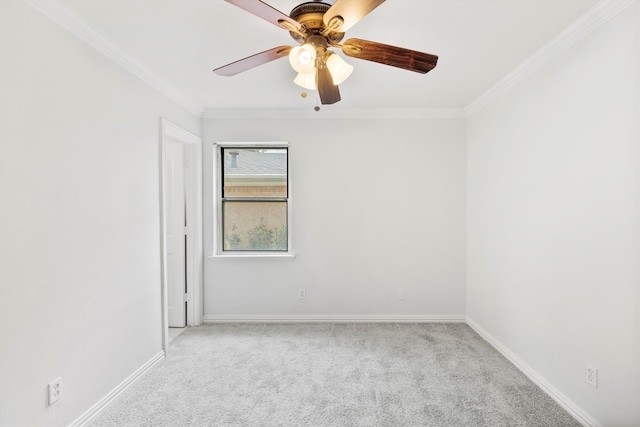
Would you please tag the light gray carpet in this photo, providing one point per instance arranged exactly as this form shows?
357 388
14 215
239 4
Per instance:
333 375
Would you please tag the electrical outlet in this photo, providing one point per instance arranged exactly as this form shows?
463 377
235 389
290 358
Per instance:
302 293
401 295
55 389
592 376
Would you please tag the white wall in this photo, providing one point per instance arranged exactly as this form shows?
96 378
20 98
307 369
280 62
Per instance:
378 206
79 224
553 221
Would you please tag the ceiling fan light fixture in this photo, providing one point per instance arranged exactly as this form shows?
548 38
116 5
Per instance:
338 68
318 26
307 80
303 58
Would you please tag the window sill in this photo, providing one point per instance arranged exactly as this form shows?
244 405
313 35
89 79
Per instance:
252 255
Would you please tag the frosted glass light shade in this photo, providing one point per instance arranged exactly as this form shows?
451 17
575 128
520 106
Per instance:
303 58
307 81
338 68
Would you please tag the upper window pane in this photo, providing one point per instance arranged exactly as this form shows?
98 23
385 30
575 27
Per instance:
254 172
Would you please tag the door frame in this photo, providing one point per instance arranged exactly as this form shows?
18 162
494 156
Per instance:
193 193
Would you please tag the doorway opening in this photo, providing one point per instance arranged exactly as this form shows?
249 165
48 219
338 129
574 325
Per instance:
181 223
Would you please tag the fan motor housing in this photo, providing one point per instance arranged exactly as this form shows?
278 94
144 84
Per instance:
310 16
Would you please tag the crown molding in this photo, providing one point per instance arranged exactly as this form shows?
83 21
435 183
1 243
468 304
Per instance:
593 19
330 113
68 19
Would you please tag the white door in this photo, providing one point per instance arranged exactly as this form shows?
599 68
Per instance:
176 236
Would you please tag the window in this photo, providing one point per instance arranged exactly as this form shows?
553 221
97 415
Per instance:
253 199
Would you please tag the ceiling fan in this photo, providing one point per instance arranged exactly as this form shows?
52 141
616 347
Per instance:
317 27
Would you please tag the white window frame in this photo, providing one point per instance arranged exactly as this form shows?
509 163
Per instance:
218 247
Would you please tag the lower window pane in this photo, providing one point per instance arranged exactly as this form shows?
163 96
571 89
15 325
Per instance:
255 226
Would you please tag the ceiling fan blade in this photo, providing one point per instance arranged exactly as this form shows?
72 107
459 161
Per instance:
252 61
351 11
390 55
329 93
266 12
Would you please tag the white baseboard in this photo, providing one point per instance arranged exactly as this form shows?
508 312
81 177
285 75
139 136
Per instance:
105 401
331 318
571 407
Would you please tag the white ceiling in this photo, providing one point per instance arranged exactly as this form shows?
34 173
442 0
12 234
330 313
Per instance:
478 42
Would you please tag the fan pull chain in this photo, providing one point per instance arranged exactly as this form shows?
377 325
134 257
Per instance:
317 107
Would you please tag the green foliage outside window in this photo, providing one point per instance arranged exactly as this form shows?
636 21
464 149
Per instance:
263 238
260 238
234 241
